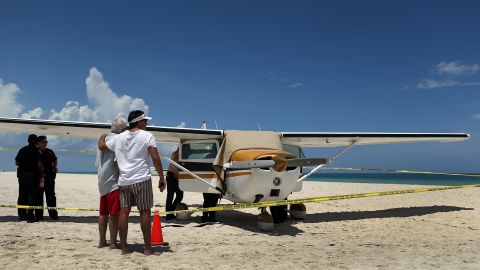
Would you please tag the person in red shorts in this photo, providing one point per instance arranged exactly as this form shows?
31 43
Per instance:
108 187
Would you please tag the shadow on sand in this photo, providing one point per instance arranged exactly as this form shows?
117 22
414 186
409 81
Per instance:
248 221
138 248
386 213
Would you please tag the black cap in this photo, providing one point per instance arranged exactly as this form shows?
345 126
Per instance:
32 138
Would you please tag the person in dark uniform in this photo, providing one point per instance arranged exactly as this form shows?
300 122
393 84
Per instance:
29 173
172 188
210 200
49 160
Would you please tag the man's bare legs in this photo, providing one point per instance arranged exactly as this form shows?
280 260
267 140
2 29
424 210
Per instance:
102 229
112 222
146 226
123 228
113 228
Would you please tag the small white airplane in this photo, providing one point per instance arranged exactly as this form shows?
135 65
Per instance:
242 166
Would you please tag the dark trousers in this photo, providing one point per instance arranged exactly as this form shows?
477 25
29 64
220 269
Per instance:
49 190
27 190
173 190
209 200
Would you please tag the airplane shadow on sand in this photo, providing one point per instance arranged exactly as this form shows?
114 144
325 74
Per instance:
248 221
386 213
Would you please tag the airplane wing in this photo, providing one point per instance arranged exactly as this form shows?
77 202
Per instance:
331 139
88 130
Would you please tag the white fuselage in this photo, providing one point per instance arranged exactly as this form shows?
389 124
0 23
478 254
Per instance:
243 186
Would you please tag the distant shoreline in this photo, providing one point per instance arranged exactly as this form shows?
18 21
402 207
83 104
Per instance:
377 178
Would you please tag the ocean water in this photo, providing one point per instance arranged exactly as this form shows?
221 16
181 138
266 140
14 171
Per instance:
396 178
387 178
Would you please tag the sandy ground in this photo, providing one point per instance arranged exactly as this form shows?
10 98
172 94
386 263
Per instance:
435 230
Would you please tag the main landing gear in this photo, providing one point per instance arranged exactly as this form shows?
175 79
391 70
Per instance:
279 214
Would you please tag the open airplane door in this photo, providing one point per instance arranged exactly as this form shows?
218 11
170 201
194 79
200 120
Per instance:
197 156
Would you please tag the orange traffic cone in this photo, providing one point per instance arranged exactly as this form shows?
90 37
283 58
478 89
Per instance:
157 237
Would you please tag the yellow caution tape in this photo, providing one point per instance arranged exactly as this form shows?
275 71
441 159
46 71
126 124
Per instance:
48 208
271 203
315 199
400 171
8 149
56 150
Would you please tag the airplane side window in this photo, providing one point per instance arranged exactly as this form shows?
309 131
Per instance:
294 150
199 151
186 151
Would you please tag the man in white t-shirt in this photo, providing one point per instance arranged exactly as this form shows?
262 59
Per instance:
133 148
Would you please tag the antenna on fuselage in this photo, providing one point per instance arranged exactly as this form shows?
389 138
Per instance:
204 125
259 128
216 126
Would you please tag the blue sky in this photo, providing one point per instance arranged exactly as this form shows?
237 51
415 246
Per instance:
378 66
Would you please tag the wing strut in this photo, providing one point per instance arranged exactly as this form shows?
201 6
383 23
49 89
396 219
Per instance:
189 172
330 160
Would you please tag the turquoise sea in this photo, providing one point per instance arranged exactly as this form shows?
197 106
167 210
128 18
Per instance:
396 178
387 178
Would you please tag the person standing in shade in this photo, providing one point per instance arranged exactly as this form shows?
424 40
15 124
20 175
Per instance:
133 149
210 200
172 187
29 173
50 162
108 187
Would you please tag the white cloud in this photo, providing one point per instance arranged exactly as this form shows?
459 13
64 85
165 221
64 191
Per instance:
295 85
432 84
476 116
36 113
106 103
470 83
103 105
283 80
9 107
74 112
456 68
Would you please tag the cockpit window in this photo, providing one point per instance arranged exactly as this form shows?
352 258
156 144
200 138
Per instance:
199 150
294 150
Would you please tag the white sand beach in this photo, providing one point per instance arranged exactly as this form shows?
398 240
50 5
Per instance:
434 230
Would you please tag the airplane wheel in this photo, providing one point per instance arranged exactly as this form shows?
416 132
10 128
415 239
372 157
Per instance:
265 221
298 211
182 216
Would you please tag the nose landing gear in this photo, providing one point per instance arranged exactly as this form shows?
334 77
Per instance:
265 220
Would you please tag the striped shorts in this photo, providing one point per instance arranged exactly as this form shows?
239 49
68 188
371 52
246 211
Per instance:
139 194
